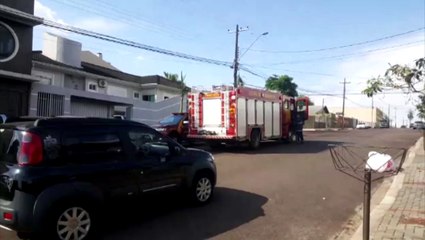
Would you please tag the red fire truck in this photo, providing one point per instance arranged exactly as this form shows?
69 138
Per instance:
243 114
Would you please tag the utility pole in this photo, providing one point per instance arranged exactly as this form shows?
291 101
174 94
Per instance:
395 117
371 120
236 61
323 113
343 103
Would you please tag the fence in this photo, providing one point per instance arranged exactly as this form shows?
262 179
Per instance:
329 121
49 104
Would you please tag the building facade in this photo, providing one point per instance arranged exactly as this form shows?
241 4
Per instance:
369 116
75 82
16 30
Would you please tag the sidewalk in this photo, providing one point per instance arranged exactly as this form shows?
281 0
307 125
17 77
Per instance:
401 214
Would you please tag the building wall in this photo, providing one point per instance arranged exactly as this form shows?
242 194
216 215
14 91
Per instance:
74 82
169 93
62 49
365 115
21 63
21 5
141 111
14 93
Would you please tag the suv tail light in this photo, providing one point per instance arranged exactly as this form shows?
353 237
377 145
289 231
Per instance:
31 151
8 216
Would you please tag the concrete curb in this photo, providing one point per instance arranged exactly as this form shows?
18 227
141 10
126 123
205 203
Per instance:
379 211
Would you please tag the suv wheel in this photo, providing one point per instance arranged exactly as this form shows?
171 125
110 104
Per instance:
73 221
202 189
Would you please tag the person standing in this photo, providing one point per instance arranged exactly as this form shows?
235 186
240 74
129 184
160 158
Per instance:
299 124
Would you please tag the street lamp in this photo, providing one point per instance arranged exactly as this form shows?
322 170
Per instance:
263 34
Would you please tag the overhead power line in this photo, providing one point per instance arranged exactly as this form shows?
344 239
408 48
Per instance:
134 44
350 54
342 46
99 8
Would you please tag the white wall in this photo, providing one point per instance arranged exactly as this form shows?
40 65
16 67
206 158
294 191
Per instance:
116 90
62 50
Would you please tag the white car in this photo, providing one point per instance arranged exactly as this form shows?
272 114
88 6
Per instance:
362 126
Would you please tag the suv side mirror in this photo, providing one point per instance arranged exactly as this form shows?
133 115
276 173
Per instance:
177 150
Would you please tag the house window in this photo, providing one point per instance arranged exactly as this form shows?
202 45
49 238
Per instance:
92 87
8 43
149 98
136 95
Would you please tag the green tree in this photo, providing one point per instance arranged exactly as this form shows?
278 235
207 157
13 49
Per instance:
282 84
408 79
171 76
180 79
410 116
310 102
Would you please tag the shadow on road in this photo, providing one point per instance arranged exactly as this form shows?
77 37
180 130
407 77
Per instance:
172 218
309 146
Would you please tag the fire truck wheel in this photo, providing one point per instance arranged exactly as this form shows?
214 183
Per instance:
254 143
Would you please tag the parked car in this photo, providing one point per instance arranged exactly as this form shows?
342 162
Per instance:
362 126
384 124
174 126
57 173
419 125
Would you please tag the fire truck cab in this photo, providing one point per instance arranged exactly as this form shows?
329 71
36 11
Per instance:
234 115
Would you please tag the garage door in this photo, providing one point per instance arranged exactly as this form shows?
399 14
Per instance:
13 98
89 108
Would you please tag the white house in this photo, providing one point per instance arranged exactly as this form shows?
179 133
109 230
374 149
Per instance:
76 82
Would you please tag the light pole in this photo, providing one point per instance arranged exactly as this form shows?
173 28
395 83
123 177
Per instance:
237 56
246 50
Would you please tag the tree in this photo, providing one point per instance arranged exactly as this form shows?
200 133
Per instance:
421 107
171 76
180 79
408 79
282 84
184 90
410 116
310 102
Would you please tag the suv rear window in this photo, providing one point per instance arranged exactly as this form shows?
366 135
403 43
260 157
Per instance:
10 141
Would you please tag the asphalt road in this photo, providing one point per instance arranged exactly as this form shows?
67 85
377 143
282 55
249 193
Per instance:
280 191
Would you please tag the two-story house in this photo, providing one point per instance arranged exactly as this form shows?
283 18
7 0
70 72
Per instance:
16 30
80 83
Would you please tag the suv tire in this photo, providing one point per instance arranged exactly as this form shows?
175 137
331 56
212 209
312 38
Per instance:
70 218
202 189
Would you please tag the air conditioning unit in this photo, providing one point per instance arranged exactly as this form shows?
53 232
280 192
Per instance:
101 83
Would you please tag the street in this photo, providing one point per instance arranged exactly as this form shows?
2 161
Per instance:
281 191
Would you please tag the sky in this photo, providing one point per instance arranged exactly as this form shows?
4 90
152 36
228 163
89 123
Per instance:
201 28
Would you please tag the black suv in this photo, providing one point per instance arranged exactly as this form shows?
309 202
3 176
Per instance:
57 173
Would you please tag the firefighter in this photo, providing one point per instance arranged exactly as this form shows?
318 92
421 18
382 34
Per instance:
299 124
